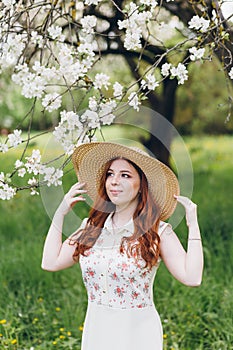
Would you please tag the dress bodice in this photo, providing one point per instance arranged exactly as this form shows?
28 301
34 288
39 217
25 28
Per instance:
112 278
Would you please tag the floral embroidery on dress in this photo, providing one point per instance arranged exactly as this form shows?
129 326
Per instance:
114 276
119 291
114 279
135 295
90 272
146 288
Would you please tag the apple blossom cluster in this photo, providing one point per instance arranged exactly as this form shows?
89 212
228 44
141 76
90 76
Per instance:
67 65
149 82
41 81
14 139
180 72
134 101
31 165
73 128
6 192
134 25
11 49
196 54
199 23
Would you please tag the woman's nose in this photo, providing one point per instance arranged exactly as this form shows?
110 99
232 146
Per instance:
115 179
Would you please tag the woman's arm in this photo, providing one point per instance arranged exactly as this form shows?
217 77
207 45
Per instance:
185 266
58 255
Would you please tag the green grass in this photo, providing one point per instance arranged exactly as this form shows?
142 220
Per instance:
44 310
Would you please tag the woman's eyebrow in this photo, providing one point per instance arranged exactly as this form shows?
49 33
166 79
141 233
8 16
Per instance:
121 171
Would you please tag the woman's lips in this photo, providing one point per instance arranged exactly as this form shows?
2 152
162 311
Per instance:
115 192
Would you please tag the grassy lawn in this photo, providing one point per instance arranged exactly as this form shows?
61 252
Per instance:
42 310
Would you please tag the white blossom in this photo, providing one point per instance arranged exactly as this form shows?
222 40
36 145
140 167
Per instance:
34 192
54 31
68 130
6 192
53 176
107 119
72 119
34 83
133 39
180 72
199 23
70 69
8 3
33 86
11 47
231 73
21 71
18 163
46 73
134 101
91 118
52 101
15 138
88 23
93 103
196 54
33 182
21 172
134 26
101 80
33 163
118 90
105 113
87 54
165 70
3 147
149 82
37 39
91 2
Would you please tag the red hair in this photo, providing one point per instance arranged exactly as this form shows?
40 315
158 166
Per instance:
144 242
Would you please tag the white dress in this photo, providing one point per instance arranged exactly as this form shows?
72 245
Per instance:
121 314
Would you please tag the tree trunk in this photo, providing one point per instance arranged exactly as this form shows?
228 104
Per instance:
161 127
163 110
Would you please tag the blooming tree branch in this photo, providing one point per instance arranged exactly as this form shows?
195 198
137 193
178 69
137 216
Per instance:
51 48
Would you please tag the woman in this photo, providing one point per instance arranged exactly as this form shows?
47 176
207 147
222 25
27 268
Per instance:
120 245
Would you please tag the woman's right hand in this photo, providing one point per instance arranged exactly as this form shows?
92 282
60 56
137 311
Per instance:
73 196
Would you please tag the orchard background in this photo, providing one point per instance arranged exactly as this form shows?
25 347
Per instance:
77 71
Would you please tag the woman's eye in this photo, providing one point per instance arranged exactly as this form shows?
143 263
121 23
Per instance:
109 174
125 175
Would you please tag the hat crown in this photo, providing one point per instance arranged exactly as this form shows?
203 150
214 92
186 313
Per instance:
139 150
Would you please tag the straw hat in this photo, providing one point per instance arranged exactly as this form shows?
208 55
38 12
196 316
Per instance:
89 160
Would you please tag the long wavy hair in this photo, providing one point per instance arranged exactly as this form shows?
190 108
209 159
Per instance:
144 242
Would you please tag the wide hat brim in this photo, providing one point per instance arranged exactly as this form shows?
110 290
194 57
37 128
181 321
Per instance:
89 160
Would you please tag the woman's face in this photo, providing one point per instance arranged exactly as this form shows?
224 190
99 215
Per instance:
122 183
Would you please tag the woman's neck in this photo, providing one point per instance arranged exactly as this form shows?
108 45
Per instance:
123 215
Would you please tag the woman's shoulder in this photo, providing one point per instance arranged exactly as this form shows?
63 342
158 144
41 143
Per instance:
76 234
163 226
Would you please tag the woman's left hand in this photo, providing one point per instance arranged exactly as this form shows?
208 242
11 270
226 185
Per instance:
190 209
